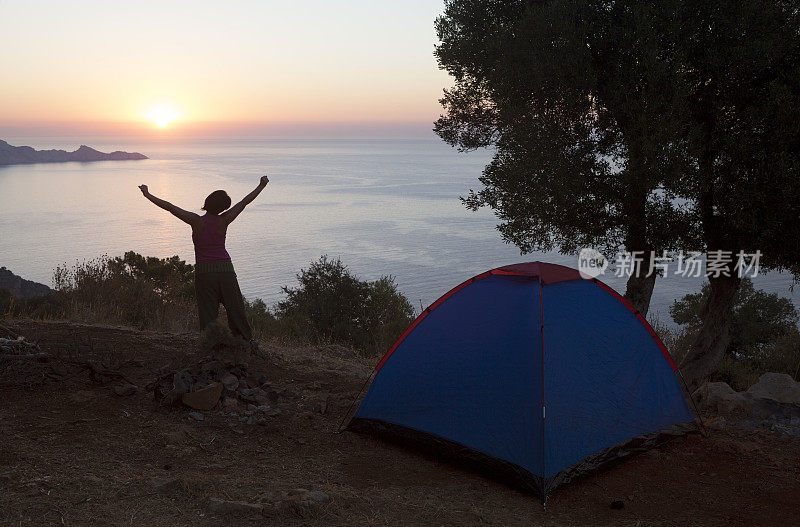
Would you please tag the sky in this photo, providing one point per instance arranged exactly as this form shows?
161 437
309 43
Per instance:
363 61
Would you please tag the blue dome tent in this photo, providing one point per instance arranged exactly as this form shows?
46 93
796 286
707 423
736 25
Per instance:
528 372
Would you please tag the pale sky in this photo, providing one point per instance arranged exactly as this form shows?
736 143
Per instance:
235 61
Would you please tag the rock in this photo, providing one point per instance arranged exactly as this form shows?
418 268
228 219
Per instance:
168 487
218 506
83 396
778 386
252 382
765 406
230 403
188 451
230 381
174 437
291 395
308 498
124 390
359 374
261 399
204 398
721 398
791 428
197 416
180 385
213 365
295 500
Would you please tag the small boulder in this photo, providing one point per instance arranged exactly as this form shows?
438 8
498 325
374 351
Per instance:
123 390
83 396
181 381
721 398
778 386
230 403
307 498
204 398
230 381
168 487
197 416
296 500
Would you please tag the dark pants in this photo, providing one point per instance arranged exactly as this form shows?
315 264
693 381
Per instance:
212 288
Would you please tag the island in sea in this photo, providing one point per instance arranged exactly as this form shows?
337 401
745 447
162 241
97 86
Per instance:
17 155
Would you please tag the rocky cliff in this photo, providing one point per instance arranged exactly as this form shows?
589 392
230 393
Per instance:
15 155
19 287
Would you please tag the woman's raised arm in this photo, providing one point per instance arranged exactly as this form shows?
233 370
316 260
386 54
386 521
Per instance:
189 217
229 215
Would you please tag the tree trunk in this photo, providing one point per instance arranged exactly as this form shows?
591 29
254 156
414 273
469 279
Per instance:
640 286
709 346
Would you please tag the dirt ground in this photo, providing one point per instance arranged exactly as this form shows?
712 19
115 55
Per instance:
75 453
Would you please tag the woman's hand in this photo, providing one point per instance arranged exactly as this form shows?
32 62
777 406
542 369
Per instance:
264 180
144 190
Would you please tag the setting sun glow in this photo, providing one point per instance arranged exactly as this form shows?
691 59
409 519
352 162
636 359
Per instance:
162 115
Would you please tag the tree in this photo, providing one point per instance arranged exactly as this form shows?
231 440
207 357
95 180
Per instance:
575 99
652 125
758 318
741 71
764 335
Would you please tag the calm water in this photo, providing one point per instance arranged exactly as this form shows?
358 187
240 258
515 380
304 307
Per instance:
382 206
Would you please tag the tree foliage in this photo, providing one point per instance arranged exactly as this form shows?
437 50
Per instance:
649 125
333 305
576 99
764 334
760 319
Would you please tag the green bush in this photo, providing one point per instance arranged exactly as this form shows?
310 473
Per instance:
332 305
261 320
764 334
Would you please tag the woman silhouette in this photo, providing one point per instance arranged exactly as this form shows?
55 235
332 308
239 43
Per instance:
214 277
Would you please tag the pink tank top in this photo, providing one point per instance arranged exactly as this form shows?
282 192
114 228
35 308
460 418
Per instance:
209 244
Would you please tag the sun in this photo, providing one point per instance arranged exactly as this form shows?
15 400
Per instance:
162 115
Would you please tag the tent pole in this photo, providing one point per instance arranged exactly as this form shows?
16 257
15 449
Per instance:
350 408
691 398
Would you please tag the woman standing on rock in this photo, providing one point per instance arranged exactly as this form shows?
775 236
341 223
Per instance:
214 278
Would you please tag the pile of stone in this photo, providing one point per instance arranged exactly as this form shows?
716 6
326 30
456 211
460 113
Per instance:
772 404
22 362
215 384
16 347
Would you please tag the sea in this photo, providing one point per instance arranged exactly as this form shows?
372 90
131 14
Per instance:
383 206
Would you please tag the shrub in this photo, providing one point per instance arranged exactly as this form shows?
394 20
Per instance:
332 305
764 334
5 301
146 293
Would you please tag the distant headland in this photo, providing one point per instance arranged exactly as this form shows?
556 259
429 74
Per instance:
18 155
